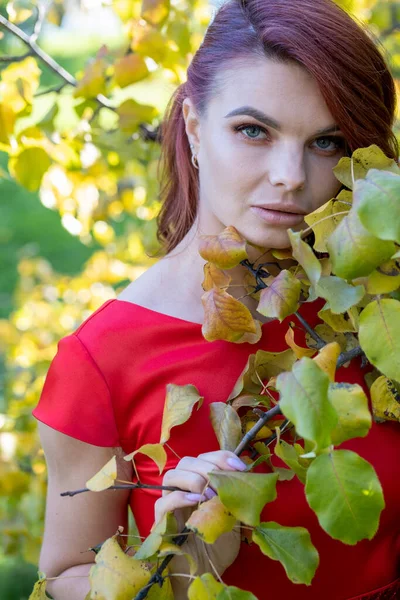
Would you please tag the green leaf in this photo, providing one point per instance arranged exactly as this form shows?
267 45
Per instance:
354 251
305 257
345 493
204 587
351 405
226 424
340 295
231 592
289 456
292 547
360 162
131 114
379 335
178 407
244 494
29 166
379 188
281 298
304 401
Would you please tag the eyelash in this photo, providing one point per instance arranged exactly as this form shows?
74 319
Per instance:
339 142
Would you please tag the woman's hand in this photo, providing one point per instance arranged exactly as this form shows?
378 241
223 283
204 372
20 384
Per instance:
192 474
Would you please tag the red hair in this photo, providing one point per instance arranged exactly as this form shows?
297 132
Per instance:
351 72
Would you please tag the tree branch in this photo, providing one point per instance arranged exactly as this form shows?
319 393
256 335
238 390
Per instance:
129 486
48 60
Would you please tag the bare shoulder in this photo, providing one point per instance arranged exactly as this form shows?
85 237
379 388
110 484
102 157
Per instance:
145 289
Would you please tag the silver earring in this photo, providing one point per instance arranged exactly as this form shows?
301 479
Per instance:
194 158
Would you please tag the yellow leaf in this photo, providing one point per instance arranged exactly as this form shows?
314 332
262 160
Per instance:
226 424
327 358
340 322
225 318
264 433
29 166
104 478
116 576
132 113
170 548
19 10
7 122
225 250
211 520
130 69
214 277
19 83
39 591
163 593
360 162
325 219
155 11
93 81
178 406
154 451
298 350
385 398
252 338
204 587
384 280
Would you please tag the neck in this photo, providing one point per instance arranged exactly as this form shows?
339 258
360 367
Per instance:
185 272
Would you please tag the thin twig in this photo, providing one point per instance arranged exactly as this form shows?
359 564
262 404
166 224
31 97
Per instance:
48 60
344 357
129 486
320 342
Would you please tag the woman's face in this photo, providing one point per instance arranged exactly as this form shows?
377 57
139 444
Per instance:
267 140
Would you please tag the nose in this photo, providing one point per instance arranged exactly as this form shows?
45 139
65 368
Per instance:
286 169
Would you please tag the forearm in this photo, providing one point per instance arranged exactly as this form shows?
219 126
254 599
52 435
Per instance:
72 584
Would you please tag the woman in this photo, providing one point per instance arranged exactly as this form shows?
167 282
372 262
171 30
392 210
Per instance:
277 93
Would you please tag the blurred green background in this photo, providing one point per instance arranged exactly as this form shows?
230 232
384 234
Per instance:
74 232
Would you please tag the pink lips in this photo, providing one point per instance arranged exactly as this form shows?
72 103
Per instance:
279 217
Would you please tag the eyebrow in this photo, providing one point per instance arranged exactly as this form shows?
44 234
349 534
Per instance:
260 116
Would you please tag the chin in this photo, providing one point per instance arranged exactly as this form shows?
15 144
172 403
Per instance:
278 239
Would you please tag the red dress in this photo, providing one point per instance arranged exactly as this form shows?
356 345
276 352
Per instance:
106 386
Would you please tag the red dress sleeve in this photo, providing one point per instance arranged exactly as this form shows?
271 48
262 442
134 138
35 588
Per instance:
75 399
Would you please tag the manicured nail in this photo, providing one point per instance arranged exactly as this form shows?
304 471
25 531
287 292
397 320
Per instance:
210 493
195 497
236 463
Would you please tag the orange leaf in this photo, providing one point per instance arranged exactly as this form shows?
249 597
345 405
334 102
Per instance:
225 250
225 317
130 69
298 350
327 357
214 277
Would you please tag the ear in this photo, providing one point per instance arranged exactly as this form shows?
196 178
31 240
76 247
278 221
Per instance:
192 123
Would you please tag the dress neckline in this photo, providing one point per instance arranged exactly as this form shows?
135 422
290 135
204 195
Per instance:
172 317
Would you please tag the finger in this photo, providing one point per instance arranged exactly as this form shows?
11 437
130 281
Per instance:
173 501
189 481
224 460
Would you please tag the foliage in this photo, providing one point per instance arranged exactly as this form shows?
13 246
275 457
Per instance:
84 144
341 487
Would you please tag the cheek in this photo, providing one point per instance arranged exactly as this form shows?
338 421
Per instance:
323 182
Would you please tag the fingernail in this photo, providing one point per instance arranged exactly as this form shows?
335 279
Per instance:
236 463
195 497
210 493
